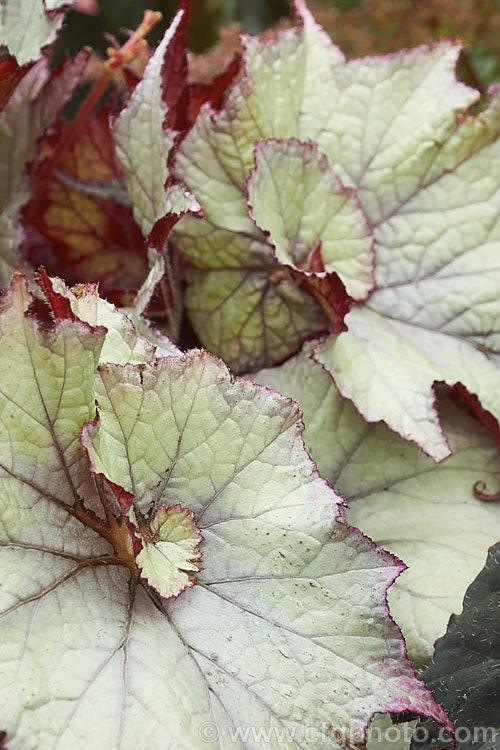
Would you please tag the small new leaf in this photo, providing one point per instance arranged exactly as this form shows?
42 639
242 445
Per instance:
170 549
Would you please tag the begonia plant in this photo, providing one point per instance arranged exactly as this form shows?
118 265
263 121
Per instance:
249 392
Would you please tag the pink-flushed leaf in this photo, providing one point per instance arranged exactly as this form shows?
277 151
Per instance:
34 102
396 131
170 550
286 626
28 25
427 514
144 134
89 7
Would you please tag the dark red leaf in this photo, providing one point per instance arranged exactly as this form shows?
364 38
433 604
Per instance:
213 92
59 305
10 75
327 289
459 392
78 224
184 99
174 75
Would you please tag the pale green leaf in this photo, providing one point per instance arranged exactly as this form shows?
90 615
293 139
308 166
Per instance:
284 613
299 202
46 391
26 27
143 145
423 512
434 315
46 395
395 129
81 662
284 82
388 368
122 345
215 159
299 86
285 628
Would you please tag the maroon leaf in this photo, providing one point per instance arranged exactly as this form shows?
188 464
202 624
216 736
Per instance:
327 289
84 225
60 306
10 75
213 93
174 75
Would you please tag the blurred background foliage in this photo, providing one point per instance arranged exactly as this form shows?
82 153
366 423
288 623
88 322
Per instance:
359 27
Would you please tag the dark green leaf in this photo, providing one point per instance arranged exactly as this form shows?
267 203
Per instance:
464 675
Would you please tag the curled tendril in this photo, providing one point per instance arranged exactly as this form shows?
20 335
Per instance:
479 493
